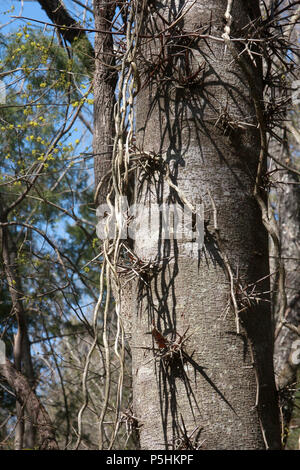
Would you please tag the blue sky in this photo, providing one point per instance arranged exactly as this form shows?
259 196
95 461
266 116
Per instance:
31 9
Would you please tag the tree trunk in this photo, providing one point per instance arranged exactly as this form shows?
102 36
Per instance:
218 392
288 209
104 95
286 362
29 401
21 351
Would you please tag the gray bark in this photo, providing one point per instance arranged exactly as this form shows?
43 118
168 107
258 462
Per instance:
215 392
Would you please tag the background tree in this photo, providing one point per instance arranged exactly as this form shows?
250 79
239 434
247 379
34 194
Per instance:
35 120
285 197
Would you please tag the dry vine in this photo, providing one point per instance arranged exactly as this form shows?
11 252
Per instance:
109 279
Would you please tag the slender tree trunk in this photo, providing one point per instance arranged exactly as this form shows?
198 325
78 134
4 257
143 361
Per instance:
288 209
288 205
21 351
104 95
29 401
192 98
